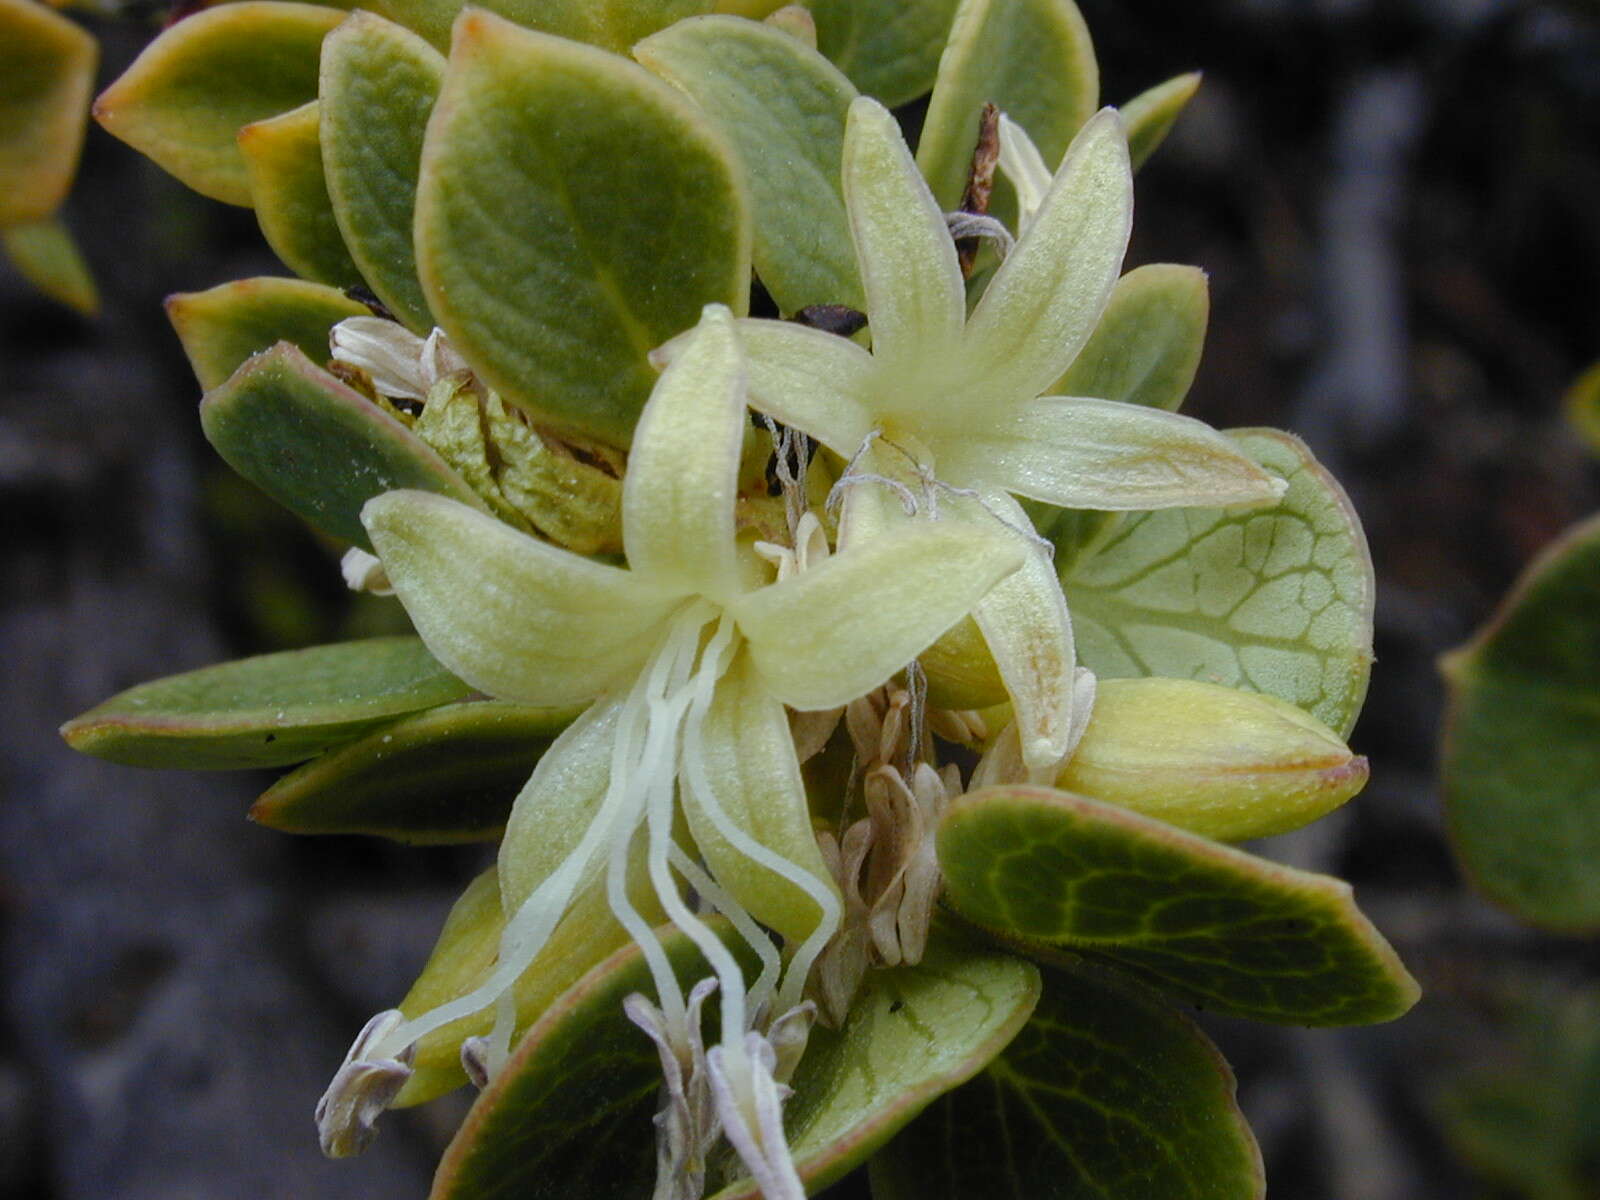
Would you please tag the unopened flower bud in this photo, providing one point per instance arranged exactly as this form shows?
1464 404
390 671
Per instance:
1217 761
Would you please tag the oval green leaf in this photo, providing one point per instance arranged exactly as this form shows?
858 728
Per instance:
184 100
1108 1091
1150 115
379 83
1583 407
1522 742
913 1034
46 73
888 48
283 159
445 775
613 24
265 711
1207 923
317 447
783 107
1032 59
1146 347
1276 600
574 212
47 256
222 326
570 1114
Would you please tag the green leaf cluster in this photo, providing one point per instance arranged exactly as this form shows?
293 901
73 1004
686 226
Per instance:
555 192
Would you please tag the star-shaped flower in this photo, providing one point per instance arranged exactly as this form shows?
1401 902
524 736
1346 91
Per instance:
689 656
968 398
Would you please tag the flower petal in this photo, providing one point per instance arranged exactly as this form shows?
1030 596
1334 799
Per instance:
683 473
916 303
1024 619
835 632
1044 301
744 755
1079 452
1024 168
515 617
817 382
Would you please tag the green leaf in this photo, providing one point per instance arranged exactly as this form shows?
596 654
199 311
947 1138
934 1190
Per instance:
184 100
1107 1091
222 326
913 1033
47 257
1276 600
1522 742
1150 115
1146 347
1583 407
1210 924
46 73
783 107
379 84
319 448
570 1114
1031 58
265 711
283 159
445 775
574 212
888 48
612 24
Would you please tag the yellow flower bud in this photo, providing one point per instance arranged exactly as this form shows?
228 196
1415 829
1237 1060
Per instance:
1217 761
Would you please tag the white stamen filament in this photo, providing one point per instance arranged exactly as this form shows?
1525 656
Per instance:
789 993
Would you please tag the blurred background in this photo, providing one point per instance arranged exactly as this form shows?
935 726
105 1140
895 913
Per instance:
1396 203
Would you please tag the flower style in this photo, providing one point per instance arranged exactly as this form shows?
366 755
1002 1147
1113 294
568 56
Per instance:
968 397
689 656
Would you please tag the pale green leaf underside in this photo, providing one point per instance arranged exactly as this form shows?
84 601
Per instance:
46 255
783 107
912 1034
1031 58
184 99
1276 600
265 711
573 213
283 159
1212 925
445 775
888 48
1522 744
317 447
222 326
1106 1092
379 84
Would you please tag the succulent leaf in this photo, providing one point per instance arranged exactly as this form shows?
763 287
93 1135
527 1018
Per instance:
283 160
223 326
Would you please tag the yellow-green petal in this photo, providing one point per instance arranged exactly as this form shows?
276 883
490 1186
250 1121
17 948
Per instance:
748 758
679 490
838 630
916 302
513 616
1043 303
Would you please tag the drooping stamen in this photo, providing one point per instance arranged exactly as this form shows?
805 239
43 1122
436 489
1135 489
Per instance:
695 778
